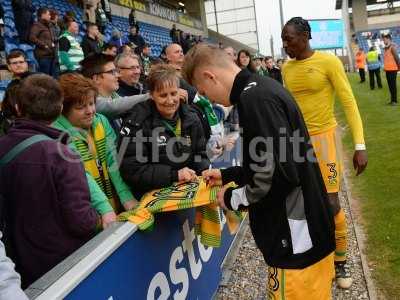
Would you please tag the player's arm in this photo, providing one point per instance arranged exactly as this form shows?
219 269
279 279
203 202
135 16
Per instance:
247 193
258 187
342 87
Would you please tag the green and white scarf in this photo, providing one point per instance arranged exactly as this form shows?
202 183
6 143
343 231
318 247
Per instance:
217 128
205 105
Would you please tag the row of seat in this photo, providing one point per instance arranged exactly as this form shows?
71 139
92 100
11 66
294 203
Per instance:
370 38
156 36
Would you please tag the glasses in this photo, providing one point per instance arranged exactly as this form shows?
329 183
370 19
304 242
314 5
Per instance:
129 68
20 62
113 72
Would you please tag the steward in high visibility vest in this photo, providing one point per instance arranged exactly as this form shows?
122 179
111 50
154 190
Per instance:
391 66
360 64
374 68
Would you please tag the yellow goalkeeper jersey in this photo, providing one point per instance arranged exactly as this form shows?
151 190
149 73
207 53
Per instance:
313 83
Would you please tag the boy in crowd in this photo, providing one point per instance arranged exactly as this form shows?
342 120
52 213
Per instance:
102 70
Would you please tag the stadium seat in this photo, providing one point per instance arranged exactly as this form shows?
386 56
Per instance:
373 37
156 36
3 86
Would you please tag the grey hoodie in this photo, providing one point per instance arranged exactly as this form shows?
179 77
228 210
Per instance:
114 106
10 281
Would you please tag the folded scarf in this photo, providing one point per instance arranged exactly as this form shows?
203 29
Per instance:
182 196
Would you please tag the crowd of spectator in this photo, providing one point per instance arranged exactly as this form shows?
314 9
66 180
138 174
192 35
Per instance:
185 40
87 101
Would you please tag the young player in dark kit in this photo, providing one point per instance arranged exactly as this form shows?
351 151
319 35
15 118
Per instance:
279 182
313 78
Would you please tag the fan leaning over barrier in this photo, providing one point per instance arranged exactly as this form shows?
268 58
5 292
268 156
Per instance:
183 196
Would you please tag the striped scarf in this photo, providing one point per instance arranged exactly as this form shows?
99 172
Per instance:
182 196
217 129
95 161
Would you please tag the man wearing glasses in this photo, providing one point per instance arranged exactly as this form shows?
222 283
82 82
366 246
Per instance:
102 70
129 71
18 66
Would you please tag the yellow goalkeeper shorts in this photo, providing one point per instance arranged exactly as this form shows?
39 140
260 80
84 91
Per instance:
311 283
327 152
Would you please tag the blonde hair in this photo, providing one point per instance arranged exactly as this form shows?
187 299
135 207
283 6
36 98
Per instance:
201 55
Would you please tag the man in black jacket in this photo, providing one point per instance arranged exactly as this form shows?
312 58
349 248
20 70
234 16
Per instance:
136 38
129 71
23 18
280 182
90 42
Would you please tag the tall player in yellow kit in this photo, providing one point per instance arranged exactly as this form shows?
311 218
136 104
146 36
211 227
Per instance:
313 78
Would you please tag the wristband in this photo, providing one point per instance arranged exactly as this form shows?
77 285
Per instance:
360 147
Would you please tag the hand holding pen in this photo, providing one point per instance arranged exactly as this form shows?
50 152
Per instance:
212 177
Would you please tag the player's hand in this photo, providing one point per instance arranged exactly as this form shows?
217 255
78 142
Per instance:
108 218
360 161
220 198
131 204
213 177
183 95
186 175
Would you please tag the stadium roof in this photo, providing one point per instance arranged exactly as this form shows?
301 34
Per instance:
369 2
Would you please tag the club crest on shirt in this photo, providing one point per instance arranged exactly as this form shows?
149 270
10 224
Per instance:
250 85
161 141
125 131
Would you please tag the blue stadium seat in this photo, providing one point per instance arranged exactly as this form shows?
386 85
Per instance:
10 47
3 87
26 47
156 36
367 38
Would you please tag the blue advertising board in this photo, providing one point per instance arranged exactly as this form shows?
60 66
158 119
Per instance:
167 263
327 34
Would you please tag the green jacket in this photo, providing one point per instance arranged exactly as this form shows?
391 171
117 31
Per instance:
100 191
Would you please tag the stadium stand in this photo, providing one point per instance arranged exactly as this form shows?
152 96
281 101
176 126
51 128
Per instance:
366 39
156 36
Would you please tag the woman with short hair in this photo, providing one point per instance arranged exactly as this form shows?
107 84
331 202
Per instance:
244 61
94 139
162 138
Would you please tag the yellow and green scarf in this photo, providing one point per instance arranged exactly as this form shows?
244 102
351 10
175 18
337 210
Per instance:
182 196
95 161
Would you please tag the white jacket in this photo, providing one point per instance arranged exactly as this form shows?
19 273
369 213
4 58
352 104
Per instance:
10 281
